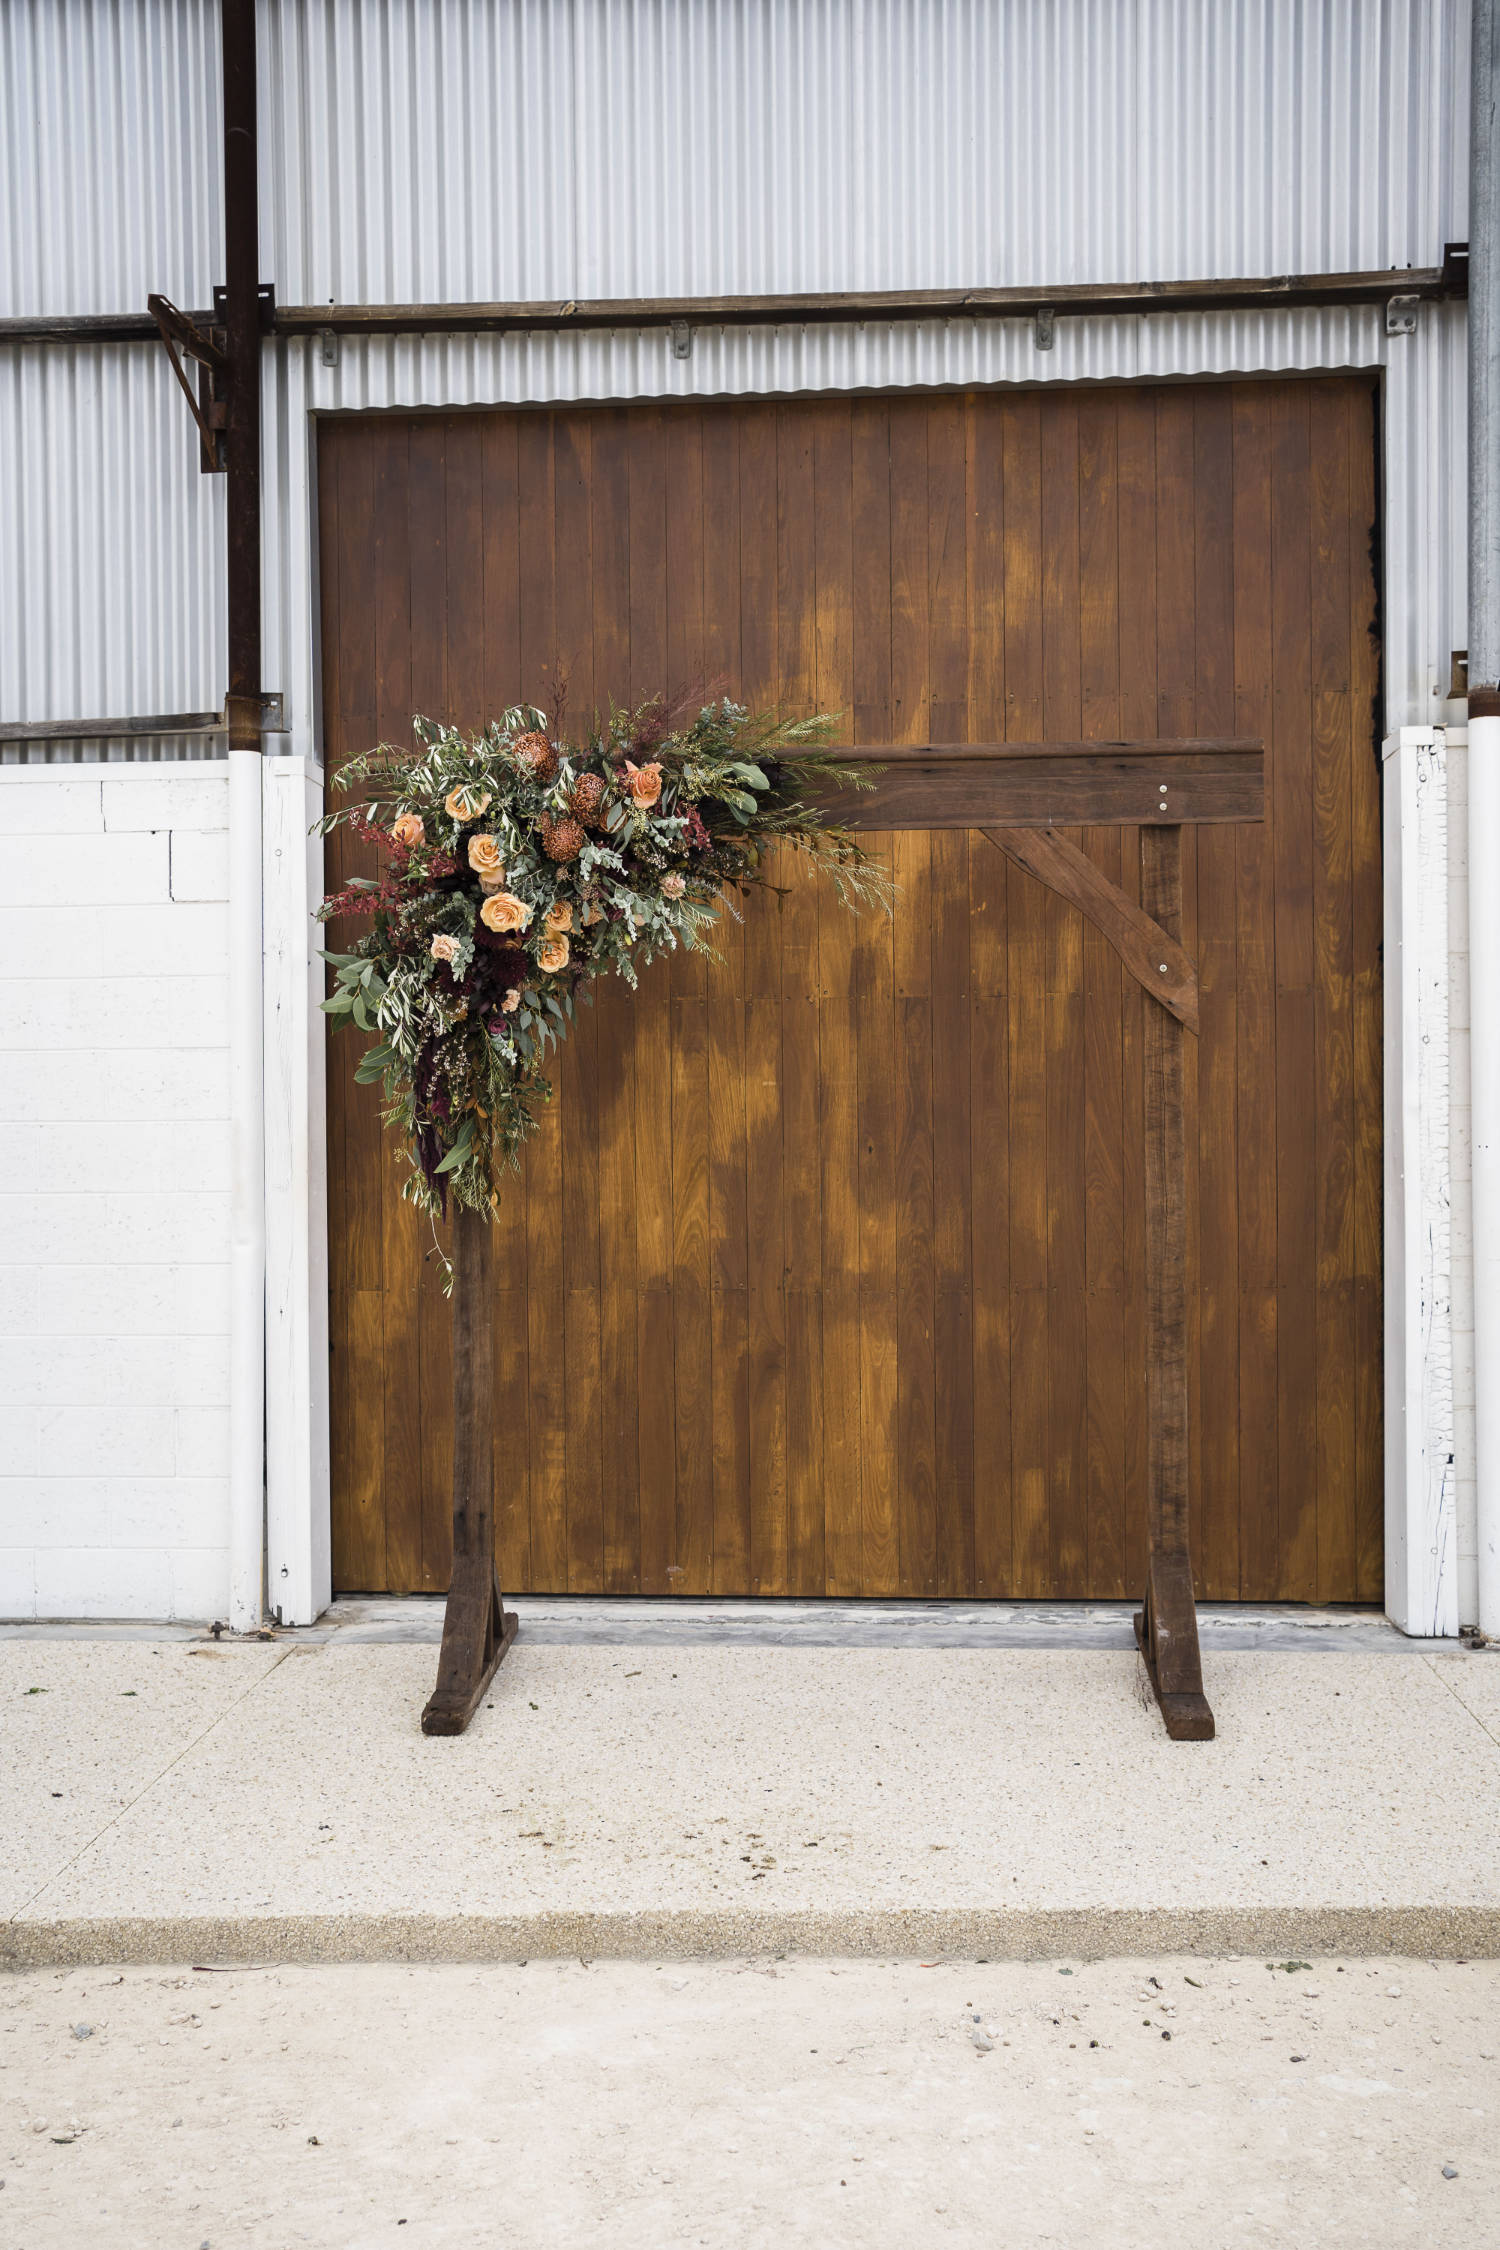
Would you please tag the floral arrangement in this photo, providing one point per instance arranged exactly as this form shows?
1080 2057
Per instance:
515 867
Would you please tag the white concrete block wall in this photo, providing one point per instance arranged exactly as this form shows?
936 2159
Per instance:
114 1173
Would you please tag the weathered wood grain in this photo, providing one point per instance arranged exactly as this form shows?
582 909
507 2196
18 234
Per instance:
840 1285
1157 963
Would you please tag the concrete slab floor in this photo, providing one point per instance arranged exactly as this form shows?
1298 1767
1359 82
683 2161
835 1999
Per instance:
251 1801
754 2103
85 1727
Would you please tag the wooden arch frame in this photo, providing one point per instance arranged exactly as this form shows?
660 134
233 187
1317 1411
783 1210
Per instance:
1019 794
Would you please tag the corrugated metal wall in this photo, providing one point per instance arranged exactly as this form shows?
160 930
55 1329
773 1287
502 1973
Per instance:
111 542
458 149
109 128
438 149
429 149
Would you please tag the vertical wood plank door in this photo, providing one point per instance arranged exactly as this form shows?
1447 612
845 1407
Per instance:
825 1273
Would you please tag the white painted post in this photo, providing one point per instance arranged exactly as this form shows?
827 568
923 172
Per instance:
1420 1484
247 1217
1484 779
1460 1167
1484 1016
298 1560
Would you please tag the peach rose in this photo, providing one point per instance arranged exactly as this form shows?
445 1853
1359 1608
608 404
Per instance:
559 917
553 955
512 1000
592 912
505 912
643 783
407 829
444 947
489 884
673 885
464 803
484 857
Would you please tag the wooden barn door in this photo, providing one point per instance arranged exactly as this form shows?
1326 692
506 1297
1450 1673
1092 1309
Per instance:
825 1273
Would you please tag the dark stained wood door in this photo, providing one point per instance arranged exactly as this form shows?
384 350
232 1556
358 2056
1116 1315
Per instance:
825 1273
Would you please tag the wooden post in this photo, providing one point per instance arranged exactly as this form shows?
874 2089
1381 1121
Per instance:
1167 1628
477 1628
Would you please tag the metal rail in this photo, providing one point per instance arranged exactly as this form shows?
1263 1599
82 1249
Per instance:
105 730
272 720
1261 293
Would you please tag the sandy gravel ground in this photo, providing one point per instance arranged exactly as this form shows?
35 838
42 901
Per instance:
800 2102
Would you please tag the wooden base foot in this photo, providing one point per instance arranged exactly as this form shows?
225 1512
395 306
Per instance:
477 1631
1166 1632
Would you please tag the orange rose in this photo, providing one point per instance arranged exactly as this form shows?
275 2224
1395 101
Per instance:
505 912
407 829
444 947
484 857
559 917
643 783
464 803
553 955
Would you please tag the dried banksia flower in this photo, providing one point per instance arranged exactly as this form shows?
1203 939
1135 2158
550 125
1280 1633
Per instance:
535 755
587 799
561 839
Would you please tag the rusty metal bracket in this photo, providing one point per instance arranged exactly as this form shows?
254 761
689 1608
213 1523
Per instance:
208 407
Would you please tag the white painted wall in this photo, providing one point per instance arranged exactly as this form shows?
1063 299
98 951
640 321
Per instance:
114 1156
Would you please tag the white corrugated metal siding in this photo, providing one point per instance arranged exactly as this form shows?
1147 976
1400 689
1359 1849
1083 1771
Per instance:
468 149
110 142
441 149
111 542
487 149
